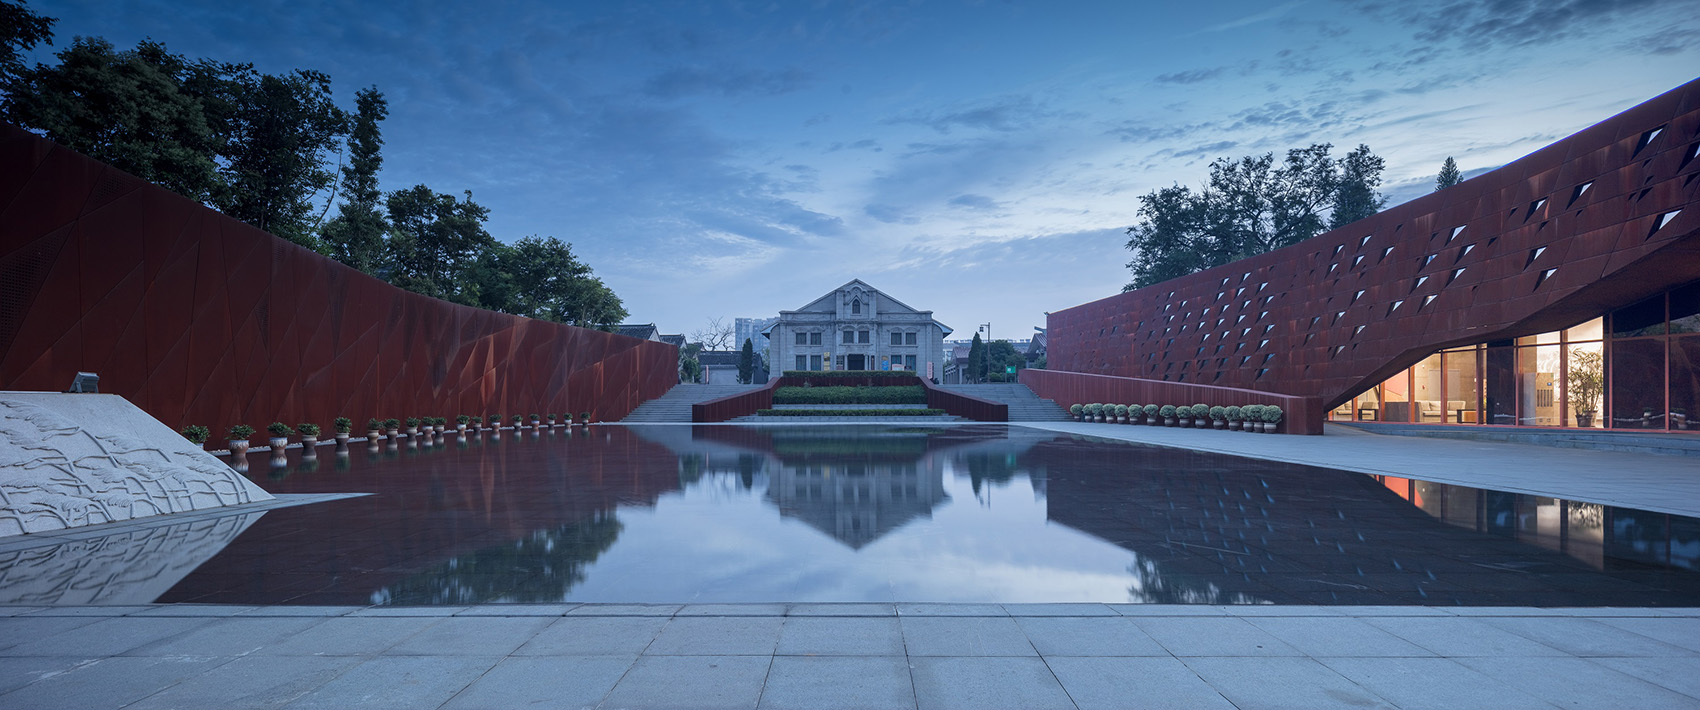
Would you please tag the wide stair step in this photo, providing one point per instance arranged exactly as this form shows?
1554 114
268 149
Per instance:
675 405
1024 405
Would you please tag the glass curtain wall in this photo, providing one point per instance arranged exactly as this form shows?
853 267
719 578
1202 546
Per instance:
1636 368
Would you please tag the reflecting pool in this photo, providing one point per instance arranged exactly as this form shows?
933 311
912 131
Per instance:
986 513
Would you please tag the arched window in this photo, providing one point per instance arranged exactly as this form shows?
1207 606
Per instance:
856 307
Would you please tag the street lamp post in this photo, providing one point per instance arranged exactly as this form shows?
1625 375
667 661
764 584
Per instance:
987 350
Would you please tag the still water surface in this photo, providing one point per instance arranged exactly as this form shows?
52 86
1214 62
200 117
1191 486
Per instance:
985 513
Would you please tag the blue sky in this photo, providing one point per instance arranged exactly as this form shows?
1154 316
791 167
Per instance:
979 159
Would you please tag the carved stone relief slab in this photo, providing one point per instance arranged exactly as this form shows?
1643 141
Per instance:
69 460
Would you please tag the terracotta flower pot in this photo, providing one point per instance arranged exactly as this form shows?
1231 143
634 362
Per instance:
237 447
341 438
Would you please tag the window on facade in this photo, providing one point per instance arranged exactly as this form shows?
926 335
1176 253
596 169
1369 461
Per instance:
814 338
802 362
909 362
909 338
814 362
856 307
863 336
896 338
849 337
802 338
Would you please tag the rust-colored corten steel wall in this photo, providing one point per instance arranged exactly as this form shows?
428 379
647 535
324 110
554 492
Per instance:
1593 222
199 318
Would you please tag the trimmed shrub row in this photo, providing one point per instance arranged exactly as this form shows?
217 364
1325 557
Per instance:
848 373
1254 417
903 394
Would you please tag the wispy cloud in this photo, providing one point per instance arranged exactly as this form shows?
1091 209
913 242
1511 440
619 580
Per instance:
1254 18
1003 114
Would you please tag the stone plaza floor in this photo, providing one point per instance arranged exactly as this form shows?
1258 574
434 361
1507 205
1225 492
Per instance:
923 656
817 656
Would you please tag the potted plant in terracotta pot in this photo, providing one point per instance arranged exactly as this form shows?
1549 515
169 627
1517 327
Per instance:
551 419
1271 419
238 436
374 429
461 420
536 421
1218 417
342 426
1151 411
1232 414
477 423
1120 412
413 426
196 434
393 425
280 435
1253 414
1200 416
1077 411
1167 412
584 418
309 434
519 423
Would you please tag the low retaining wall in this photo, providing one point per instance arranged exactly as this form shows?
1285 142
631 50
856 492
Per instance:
731 407
1301 415
965 406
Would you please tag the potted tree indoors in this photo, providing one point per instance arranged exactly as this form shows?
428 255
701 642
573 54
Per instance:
1585 383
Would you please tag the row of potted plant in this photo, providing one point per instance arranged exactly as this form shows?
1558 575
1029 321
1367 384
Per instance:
240 434
1253 417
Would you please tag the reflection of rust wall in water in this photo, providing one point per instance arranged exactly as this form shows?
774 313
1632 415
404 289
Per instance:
199 318
430 505
1557 237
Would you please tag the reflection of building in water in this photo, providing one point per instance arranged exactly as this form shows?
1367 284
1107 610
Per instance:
857 502
1217 529
1599 535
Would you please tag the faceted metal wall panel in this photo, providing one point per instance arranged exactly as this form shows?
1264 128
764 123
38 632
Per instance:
199 318
1593 222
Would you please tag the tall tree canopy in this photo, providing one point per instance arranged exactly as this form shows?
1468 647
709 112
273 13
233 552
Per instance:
260 147
20 31
282 130
356 235
1449 175
136 109
435 240
1250 205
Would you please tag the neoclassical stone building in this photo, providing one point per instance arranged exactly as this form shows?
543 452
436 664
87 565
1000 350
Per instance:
857 327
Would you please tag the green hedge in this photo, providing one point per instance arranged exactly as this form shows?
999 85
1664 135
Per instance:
912 394
848 373
848 412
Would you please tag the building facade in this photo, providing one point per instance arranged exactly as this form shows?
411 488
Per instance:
857 327
1560 290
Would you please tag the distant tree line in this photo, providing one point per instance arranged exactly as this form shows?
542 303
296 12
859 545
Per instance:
265 149
1249 206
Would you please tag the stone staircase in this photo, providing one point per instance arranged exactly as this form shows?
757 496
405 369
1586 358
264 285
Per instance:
675 406
1024 406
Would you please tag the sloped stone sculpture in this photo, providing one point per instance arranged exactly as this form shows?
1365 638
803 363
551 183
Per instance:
69 460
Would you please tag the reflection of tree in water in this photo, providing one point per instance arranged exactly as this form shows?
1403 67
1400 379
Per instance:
989 467
541 567
1152 586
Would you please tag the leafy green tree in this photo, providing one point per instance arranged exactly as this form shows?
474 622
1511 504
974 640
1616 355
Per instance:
1449 175
690 369
1001 355
747 363
20 31
1250 206
540 278
129 109
356 235
1354 196
976 360
282 130
435 240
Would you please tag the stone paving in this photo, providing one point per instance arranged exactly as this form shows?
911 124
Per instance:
817 656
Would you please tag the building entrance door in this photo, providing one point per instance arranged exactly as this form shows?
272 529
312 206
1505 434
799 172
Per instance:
854 362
